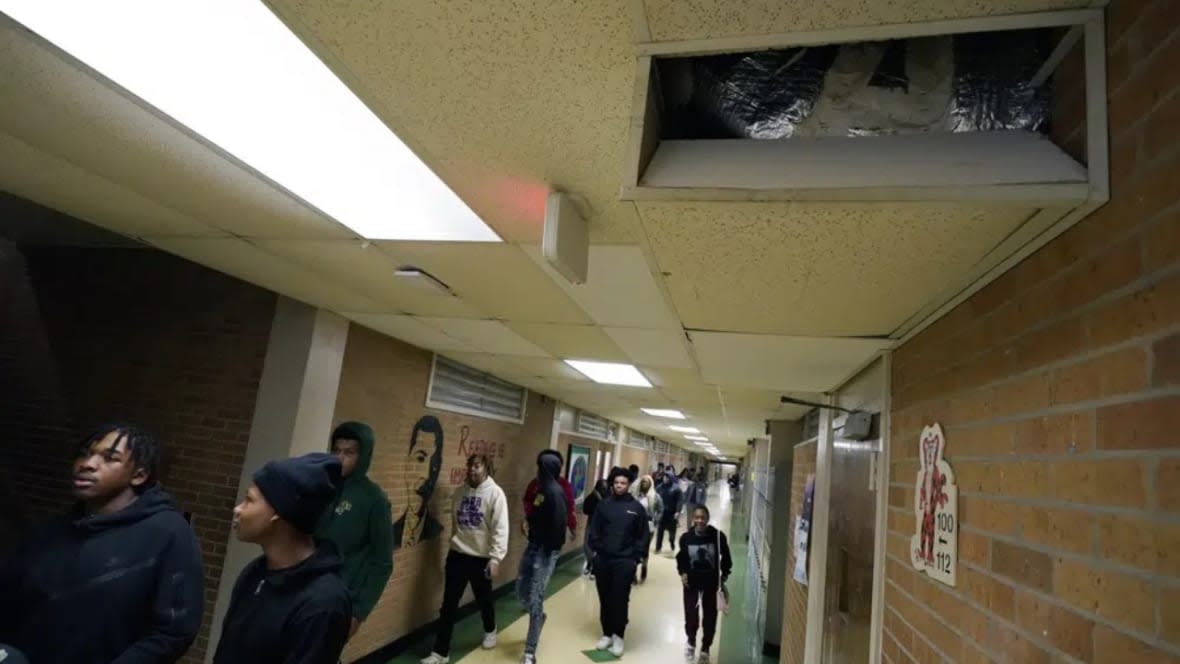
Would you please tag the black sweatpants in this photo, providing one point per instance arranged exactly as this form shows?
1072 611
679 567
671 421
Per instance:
669 526
613 578
700 601
462 569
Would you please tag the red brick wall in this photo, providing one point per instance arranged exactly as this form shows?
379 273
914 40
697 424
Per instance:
795 604
1058 386
383 382
96 334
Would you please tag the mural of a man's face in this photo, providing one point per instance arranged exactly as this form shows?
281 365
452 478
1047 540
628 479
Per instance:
424 460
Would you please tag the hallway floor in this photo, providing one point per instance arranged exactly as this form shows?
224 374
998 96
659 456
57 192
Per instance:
655 634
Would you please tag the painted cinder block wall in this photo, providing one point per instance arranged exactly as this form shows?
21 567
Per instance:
1058 386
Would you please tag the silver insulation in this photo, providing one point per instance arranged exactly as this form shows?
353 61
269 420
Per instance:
964 83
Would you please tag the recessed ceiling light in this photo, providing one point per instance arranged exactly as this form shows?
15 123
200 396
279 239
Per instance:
262 96
684 429
662 412
610 373
697 442
690 436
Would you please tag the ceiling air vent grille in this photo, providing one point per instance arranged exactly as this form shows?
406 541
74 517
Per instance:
459 388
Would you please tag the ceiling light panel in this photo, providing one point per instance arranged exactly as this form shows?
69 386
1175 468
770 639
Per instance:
681 429
665 413
610 373
265 98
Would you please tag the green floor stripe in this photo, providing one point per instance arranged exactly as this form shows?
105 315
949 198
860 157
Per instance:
599 656
468 632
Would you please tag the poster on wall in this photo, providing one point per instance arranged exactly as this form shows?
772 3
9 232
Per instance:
578 471
934 548
803 531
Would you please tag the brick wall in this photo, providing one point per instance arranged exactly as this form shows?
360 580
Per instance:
638 456
1058 386
795 604
383 382
97 334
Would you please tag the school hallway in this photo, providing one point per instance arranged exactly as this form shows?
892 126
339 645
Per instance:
655 634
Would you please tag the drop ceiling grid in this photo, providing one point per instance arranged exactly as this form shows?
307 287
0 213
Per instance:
495 278
243 260
364 268
815 269
51 181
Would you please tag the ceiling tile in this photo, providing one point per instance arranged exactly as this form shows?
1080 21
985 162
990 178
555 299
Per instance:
410 330
496 278
653 348
804 364
620 289
675 378
249 263
364 268
817 269
550 369
581 342
498 365
488 336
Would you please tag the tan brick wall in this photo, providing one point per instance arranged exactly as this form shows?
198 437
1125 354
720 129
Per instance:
637 456
140 336
1058 386
795 604
384 382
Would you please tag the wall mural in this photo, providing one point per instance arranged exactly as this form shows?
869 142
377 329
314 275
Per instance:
469 445
424 463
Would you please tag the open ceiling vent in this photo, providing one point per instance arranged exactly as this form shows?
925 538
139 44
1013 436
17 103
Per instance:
956 110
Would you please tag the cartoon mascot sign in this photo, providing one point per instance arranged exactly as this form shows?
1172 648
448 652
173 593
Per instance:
934 548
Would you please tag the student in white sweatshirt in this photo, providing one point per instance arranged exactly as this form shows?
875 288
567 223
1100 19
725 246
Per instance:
479 542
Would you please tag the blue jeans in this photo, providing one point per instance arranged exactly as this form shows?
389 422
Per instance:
536 566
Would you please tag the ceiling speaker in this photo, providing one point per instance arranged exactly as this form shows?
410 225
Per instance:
566 242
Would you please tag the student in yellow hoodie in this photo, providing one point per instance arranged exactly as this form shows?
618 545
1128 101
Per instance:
479 542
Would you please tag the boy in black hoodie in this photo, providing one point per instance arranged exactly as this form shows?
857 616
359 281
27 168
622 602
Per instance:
618 541
546 526
119 581
704 565
290 605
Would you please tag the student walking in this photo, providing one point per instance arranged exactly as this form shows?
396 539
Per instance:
289 605
673 501
359 522
479 542
704 565
117 580
545 527
653 504
618 532
530 492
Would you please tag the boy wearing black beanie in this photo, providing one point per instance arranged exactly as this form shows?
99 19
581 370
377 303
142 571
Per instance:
290 605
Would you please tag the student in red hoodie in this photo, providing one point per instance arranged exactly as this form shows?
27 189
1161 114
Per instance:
530 493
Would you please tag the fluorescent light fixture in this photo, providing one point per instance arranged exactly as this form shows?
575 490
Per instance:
610 373
700 443
233 73
661 412
690 436
684 429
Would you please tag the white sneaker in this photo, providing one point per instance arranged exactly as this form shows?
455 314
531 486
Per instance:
616 646
489 641
603 643
704 657
690 654
528 658
436 658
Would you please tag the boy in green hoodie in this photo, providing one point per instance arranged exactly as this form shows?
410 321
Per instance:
359 521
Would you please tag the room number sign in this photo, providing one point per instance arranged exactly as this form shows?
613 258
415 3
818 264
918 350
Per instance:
934 548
